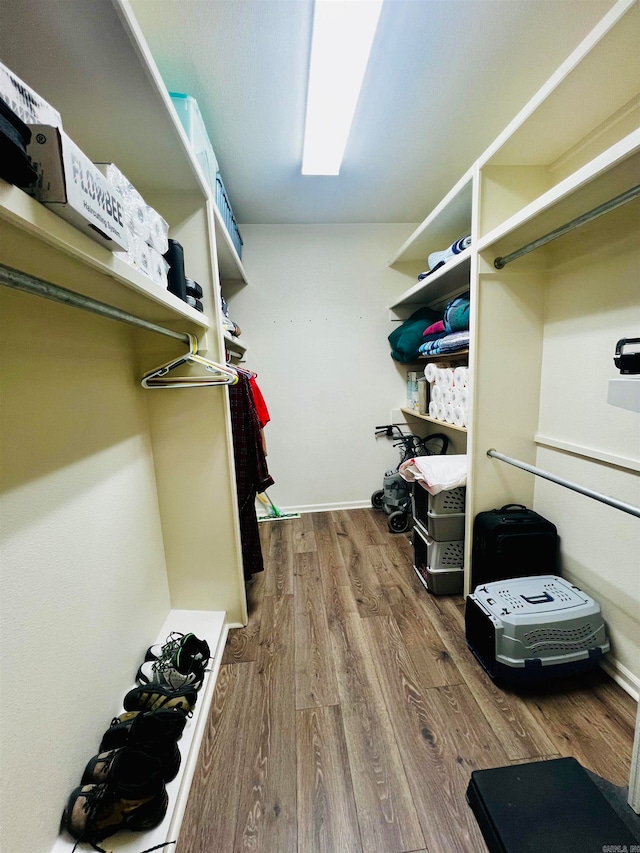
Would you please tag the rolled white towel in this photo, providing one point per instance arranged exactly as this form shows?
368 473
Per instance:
433 409
460 377
448 413
464 398
430 372
455 396
441 412
446 396
444 377
436 394
458 416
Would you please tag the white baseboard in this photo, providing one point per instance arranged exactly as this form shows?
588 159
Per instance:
622 676
363 504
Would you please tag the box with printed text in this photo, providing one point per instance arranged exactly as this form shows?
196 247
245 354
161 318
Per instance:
71 186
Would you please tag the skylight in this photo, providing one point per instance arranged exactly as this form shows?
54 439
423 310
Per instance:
343 32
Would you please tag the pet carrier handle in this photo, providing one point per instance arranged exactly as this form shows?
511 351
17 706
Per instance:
543 598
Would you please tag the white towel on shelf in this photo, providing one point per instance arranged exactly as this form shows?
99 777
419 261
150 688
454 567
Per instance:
460 376
436 473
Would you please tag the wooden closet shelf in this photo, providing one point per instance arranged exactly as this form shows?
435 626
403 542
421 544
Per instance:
459 355
414 414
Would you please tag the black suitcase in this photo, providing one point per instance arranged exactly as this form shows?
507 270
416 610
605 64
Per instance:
512 542
547 807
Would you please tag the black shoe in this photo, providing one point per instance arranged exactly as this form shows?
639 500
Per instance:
152 697
134 798
151 732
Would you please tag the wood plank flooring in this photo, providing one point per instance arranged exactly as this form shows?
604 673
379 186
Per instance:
349 713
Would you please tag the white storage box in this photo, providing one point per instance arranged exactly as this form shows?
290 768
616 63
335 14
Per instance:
26 104
70 185
533 628
191 119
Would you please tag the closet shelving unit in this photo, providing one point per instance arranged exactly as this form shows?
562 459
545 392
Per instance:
450 220
544 326
119 512
575 145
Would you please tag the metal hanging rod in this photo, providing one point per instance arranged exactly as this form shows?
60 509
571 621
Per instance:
30 284
605 499
601 209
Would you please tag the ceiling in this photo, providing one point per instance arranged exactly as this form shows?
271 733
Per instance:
444 78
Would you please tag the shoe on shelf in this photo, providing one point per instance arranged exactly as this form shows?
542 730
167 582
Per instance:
182 662
152 697
193 646
134 798
152 732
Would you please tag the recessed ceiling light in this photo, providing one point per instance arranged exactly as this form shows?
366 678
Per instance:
343 32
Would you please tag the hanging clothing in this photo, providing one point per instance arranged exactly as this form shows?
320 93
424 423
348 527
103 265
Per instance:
252 474
261 407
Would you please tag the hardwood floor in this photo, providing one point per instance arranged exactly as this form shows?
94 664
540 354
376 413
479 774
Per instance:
349 713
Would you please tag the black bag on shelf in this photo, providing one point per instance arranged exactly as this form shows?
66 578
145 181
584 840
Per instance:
15 135
512 542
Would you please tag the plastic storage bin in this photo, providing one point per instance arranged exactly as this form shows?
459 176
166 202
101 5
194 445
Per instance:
437 555
190 117
438 565
442 514
223 205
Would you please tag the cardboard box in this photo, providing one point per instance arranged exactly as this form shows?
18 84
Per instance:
70 185
26 104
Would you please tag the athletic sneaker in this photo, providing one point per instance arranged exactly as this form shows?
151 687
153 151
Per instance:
192 645
178 666
150 697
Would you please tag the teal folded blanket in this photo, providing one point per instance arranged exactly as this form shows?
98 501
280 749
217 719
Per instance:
406 339
456 315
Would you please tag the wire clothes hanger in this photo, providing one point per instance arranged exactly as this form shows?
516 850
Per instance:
216 374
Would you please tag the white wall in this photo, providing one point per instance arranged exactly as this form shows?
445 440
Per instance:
592 302
316 320
83 584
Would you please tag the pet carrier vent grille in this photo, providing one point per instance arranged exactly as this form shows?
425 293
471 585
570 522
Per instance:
513 601
557 591
570 639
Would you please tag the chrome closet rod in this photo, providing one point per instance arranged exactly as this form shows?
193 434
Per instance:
605 207
605 499
37 286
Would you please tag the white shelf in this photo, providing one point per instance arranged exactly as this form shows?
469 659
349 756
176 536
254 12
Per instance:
209 626
445 283
229 263
624 392
608 175
449 221
100 274
603 70
413 414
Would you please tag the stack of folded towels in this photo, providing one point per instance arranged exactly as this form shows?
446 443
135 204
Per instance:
451 333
